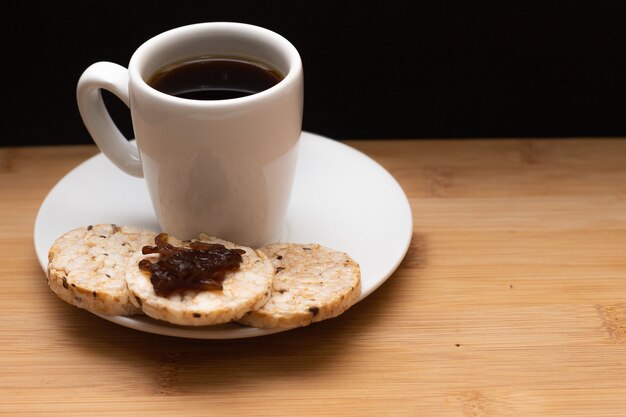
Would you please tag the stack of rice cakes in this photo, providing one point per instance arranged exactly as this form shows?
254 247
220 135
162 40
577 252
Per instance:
278 286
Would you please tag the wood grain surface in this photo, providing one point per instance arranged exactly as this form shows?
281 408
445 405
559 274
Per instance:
510 302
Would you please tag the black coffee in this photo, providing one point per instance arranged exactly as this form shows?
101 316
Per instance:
214 78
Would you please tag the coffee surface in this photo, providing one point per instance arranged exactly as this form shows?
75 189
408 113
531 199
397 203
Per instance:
214 78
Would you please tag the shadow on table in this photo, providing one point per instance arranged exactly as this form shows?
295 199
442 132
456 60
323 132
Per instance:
176 365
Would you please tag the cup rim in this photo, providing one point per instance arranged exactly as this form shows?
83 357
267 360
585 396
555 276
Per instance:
137 62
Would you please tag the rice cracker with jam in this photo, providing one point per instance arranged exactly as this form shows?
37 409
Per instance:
198 282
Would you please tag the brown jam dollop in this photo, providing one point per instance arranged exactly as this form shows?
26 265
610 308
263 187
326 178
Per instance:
200 266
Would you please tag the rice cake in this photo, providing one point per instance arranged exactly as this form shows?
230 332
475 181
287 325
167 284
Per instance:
311 283
87 267
243 290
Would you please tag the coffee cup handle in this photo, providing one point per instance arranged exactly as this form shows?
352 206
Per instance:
112 143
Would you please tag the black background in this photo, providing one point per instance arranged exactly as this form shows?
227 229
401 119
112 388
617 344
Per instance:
373 69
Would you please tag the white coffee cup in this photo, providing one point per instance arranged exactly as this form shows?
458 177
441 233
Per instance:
220 167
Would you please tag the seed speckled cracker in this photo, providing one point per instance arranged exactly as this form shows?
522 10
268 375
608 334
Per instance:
312 283
87 267
243 290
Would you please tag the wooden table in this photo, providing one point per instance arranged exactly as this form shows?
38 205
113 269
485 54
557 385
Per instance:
510 302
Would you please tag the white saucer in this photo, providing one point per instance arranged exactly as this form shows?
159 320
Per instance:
342 199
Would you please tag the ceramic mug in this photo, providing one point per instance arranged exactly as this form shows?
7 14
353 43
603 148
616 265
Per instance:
220 167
